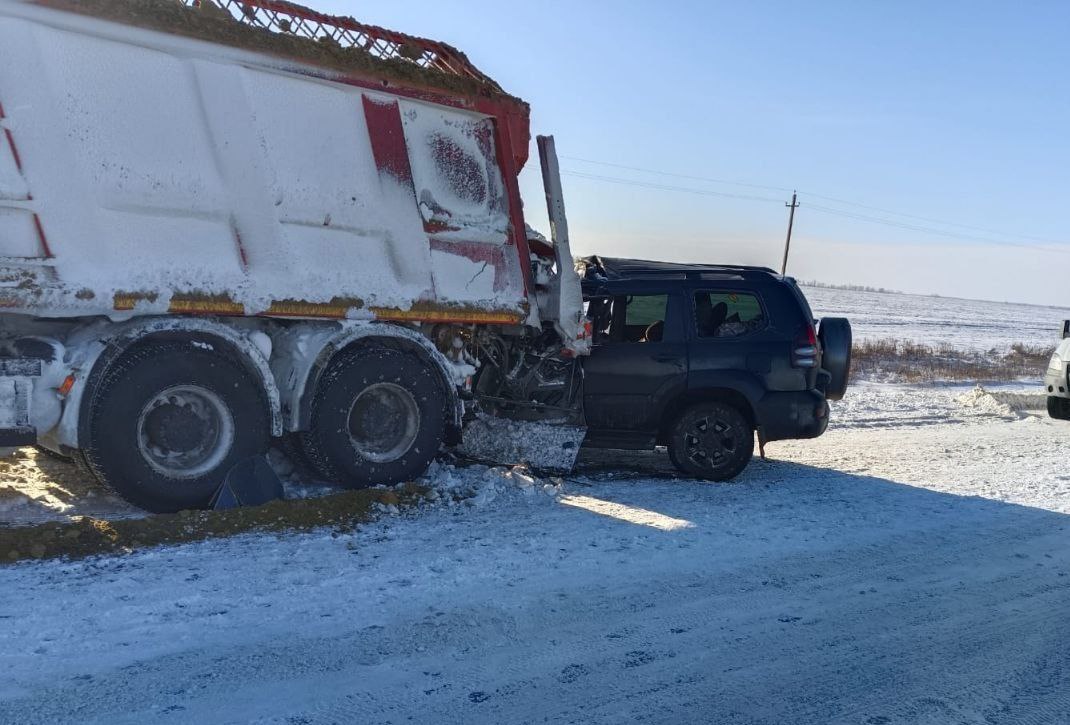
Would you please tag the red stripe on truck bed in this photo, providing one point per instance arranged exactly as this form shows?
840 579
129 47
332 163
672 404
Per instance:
14 149
387 137
41 235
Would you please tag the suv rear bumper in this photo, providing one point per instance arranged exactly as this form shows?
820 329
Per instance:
782 416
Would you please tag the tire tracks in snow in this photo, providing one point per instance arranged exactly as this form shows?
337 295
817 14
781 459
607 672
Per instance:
748 639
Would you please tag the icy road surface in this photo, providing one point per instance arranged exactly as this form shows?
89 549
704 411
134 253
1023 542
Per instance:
913 565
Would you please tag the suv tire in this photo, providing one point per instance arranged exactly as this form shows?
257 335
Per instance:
712 441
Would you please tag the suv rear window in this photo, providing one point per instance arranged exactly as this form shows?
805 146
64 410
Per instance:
727 314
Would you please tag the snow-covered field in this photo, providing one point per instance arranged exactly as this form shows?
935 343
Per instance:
963 324
912 565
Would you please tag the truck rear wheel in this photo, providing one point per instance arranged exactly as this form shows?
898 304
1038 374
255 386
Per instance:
168 421
712 441
378 416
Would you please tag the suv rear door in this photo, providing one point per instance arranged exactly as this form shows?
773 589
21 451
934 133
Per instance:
733 343
638 361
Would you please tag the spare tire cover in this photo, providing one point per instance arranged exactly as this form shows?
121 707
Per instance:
834 334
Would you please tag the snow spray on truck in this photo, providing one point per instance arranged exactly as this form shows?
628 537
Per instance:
223 223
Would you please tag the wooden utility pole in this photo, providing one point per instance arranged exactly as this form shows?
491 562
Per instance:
791 221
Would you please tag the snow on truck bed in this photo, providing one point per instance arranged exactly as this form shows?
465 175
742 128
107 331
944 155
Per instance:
149 172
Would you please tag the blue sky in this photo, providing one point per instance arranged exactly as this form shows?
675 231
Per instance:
953 111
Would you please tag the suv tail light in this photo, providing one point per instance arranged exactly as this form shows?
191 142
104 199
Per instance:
804 349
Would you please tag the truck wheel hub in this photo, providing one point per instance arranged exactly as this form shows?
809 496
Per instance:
383 422
174 428
185 431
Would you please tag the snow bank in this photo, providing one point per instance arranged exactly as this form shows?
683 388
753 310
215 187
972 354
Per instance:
1007 403
984 401
477 486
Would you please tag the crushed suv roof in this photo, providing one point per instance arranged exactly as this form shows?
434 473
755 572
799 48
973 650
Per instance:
613 268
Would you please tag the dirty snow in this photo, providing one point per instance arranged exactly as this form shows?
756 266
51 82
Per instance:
912 565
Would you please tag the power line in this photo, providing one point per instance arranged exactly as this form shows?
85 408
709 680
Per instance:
834 212
934 221
665 187
836 200
678 176
925 230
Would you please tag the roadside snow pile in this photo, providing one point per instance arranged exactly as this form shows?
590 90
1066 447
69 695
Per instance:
479 485
446 485
985 402
1022 402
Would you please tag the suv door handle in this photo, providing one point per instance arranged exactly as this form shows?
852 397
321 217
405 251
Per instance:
666 358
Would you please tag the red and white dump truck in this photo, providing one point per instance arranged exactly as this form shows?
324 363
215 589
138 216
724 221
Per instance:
223 222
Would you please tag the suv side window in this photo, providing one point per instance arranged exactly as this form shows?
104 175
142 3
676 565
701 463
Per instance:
727 314
639 318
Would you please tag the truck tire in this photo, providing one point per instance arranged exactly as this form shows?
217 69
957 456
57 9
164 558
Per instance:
834 335
294 450
378 415
50 454
712 441
168 420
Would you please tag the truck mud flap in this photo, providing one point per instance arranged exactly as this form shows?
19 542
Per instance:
16 387
17 437
250 482
545 447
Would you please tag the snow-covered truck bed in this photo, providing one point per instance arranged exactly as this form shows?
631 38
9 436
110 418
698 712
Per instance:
154 172
224 221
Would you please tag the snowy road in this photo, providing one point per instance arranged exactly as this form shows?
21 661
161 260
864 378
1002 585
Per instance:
913 565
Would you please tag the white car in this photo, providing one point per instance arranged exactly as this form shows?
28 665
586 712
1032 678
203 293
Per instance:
1056 381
